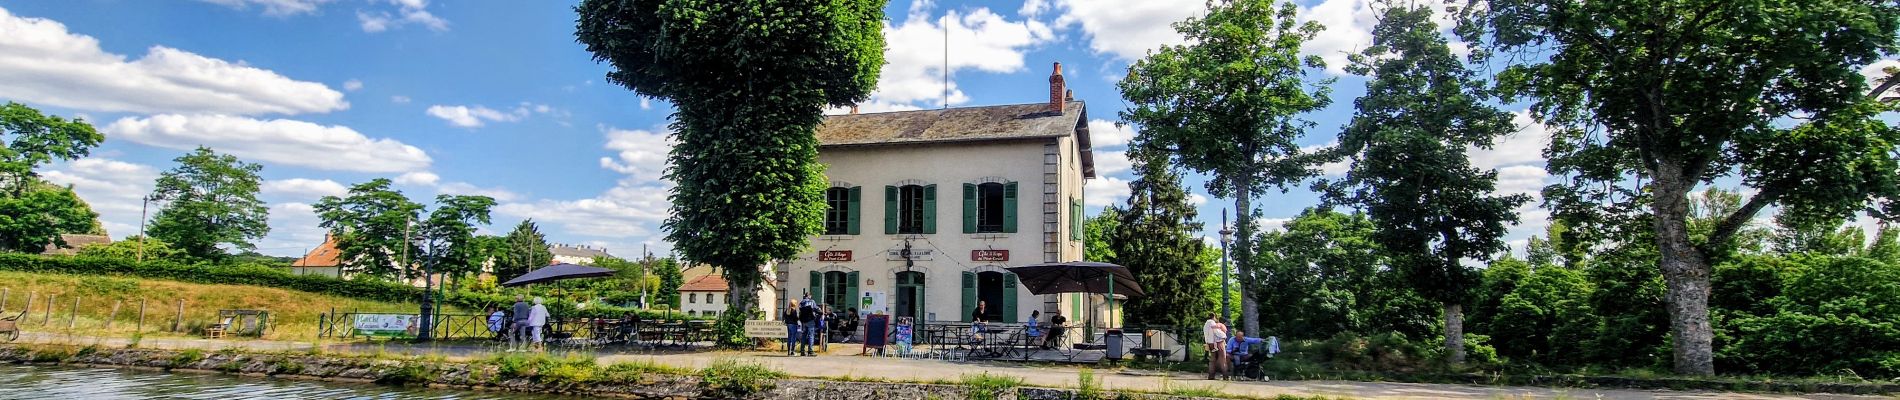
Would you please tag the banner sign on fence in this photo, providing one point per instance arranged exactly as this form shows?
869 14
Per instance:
764 329
387 325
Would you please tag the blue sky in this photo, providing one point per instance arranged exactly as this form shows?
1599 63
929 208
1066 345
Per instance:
496 98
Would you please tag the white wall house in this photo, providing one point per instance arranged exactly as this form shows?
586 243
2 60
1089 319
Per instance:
704 296
928 207
576 254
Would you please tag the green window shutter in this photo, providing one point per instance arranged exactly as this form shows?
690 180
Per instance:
1075 219
1009 207
930 209
817 286
1009 299
890 210
855 208
851 294
969 208
969 295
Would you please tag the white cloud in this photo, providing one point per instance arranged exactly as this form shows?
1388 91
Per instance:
423 178
305 188
294 230
1524 147
277 141
980 40
1196 199
113 188
1878 71
408 12
41 62
475 117
1271 224
646 104
352 85
1105 134
1126 29
641 154
1349 26
274 7
1524 179
1111 162
399 99
629 210
1105 191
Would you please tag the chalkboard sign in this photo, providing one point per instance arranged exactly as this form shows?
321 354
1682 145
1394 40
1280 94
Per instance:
876 327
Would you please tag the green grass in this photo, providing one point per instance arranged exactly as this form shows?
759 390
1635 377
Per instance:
293 314
729 378
984 386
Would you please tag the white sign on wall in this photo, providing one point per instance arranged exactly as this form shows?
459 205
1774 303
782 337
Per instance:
873 302
915 254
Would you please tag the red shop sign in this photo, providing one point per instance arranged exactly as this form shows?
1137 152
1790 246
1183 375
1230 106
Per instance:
989 255
834 255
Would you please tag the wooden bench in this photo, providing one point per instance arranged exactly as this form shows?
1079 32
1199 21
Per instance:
217 330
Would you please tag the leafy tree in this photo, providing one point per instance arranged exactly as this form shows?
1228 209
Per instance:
32 218
447 238
35 139
1409 171
1837 314
1546 319
630 277
1228 104
1650 98
371 226
1499 279
1155 239
210 201
32 212
1325 275
129 248
1096 231
750 81
671 278
522 250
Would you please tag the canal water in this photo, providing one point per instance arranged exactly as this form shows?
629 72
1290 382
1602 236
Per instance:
60 383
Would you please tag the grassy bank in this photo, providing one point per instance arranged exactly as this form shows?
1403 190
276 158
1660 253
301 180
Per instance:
293 314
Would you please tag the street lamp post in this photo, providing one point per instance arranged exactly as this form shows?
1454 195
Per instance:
1226 236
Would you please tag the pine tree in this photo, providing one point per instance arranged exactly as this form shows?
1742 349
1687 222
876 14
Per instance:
1155 241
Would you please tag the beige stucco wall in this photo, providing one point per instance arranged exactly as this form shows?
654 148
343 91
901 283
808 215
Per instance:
949 166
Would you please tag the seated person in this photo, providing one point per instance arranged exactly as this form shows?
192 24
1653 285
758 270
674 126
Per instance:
1239 349
1033 329
1056 321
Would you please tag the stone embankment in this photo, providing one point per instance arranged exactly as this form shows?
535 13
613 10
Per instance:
528 375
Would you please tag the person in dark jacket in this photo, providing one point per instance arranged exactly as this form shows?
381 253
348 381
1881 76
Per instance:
791 328
519 314
807 325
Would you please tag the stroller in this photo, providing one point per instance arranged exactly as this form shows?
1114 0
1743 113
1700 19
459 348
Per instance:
1250 368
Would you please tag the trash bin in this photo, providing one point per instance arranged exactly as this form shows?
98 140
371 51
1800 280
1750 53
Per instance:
1115 343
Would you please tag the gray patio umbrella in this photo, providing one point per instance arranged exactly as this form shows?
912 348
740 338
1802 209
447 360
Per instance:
1079 277
558 272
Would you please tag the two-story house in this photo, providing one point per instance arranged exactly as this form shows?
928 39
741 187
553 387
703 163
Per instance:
928 207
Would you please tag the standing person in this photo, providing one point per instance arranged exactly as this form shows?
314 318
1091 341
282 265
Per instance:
1057 328
791 328
518 333
1214 335
807 325
824 327
537 319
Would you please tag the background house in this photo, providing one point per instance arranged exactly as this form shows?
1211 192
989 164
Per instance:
576 254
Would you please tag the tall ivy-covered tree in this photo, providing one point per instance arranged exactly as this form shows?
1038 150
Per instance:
32 212
1407 142
447 238
210 201
522 250
1155 239
1652 98
371 226
1229 104
750 81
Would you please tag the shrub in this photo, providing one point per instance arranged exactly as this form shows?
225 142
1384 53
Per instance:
990 387
407 373
1842 314
727 378
187 357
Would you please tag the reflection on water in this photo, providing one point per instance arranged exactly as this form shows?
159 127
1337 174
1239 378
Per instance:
56 383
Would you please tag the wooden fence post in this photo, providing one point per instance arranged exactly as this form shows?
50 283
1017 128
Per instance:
72 317
29 306
180 321
141 325
115 313
48 318
4 293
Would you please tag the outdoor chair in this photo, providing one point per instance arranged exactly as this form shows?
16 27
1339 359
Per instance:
216 331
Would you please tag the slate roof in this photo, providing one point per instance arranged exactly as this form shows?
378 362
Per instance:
961 124
578 251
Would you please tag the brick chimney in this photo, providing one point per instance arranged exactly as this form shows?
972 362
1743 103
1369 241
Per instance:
854 109
1058 91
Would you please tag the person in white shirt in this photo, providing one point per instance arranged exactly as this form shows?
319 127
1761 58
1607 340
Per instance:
1214 335
537 319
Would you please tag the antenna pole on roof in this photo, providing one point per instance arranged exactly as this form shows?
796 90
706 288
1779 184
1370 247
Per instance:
946 61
